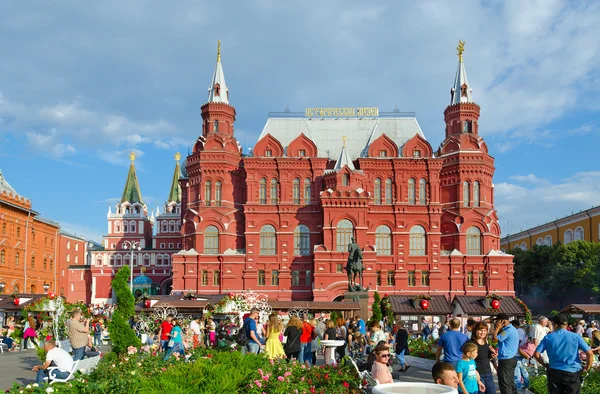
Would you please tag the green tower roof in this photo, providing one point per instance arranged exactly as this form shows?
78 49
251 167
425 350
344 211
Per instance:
175 192
132 193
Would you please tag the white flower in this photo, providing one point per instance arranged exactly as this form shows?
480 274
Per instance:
133 372
49 390
28 386
35 385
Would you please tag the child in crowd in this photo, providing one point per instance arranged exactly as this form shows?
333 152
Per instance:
469 381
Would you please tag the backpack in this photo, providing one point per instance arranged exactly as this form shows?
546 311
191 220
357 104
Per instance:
426 330
242 337
97 327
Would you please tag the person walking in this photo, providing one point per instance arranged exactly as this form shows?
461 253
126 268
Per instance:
175 344
564 368
165 332
253 345
538 332
29 331
451 342
97 329
425 329
508 345
78 330
306 339
435 333
195 329
402 346
292 344
485 355
580 330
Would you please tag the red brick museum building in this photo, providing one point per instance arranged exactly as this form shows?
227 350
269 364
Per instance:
278 221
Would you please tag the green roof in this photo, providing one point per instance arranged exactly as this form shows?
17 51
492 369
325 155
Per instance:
175 192
132 193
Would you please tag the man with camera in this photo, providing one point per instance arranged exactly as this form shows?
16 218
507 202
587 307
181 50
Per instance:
78 330
508 346
564 367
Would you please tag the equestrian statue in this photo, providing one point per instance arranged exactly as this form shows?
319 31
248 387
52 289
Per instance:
354 267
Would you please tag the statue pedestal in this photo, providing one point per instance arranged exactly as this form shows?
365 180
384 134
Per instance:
362 297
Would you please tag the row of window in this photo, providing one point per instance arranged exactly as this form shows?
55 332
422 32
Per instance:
172 226
391 279
298 195
208 196
18 235
118 260
261 278
76 245
46 263
126 227
474 202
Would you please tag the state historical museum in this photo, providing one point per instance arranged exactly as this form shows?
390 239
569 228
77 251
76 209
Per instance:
278 221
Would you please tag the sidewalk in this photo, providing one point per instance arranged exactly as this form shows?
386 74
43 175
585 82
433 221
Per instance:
16 367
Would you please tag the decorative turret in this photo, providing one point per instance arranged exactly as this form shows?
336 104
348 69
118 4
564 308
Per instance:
462 115
343 160
218 92
132 193
174 200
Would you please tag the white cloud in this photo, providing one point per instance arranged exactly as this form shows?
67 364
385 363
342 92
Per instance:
49 145
583 129
121 157
523 207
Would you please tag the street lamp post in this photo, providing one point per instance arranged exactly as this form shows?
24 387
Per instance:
132 245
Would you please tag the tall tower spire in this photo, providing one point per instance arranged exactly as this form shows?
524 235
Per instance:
218 92
175 192
461 91
132 193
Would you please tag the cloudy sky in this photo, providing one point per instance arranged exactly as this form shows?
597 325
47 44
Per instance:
84 83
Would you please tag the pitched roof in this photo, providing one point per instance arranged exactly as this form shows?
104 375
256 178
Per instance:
328 133
6 187
132 193
343 161
438 305
175 192
475 306
582 308
459 80
218 78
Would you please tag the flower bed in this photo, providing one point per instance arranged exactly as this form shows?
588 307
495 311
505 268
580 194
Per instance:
539 384
206 371
422 349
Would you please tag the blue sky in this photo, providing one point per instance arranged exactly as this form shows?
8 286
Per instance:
84 83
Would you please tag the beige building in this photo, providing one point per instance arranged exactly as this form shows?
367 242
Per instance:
584 225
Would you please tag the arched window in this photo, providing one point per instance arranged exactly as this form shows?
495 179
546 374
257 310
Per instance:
473 241
307 191
417 241
164 226
345 180
411 191
99 260
211 240
118 260
466 124
274 191
216 128
475 194
111 260
262 193
2 256
18 231
388 191
422 191
172 226
568 236
539 242
32 262
377 191
166 260
465 194
302 241
16 289
132 227
125 227
17 258
523 246
578 234
296 191
344 233
268 240
146 261
117 227
159 259
548 240
218 193
383 240
207 189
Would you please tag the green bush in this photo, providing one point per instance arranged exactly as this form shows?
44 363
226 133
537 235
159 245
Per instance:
376 309
539 384
121 334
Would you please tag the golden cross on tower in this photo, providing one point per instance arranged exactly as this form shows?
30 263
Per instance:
132 157
344 139
177 156
460 48
218 50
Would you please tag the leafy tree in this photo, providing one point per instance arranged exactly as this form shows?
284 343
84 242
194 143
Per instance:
376 309
121 334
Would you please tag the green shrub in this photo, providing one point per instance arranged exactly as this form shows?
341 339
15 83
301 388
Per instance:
121 334
376 309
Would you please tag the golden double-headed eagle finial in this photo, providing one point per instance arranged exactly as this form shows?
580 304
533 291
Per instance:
460 48
218 50
132 156
344 141
177 156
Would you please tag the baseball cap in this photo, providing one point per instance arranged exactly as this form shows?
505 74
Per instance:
501 316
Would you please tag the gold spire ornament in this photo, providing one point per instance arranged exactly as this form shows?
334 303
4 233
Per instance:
177 156
219 51
132 157
460 48
344 139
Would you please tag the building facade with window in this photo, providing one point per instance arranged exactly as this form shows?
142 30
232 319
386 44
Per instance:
279 220
580 226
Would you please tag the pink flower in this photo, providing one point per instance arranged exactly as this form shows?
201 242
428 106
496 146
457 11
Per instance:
302 379
287 374
271 361
259 384
260 372
280 378
303 366
266 377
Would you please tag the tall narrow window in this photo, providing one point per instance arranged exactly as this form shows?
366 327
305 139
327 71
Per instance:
417 241
204 278
211 240
268 240
388 191
216 278
470 278
473 241
411 191
378 278
578 234
274 191
307 278
296 191
207 189
275 278
345 180
2 256
262 194
218 193
377 191
568 236
132 227
307 191
465 194
18 232
344 233
302 241
32 262
383 240
17 258
424 278
475 194
295 278
481 279
216 128
339 267
422 191
411 279
3 228
261 278
548 240
391 281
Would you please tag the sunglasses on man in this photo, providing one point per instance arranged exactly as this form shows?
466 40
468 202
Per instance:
384 355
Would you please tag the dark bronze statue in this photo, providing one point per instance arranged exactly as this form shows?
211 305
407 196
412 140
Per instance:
354 267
